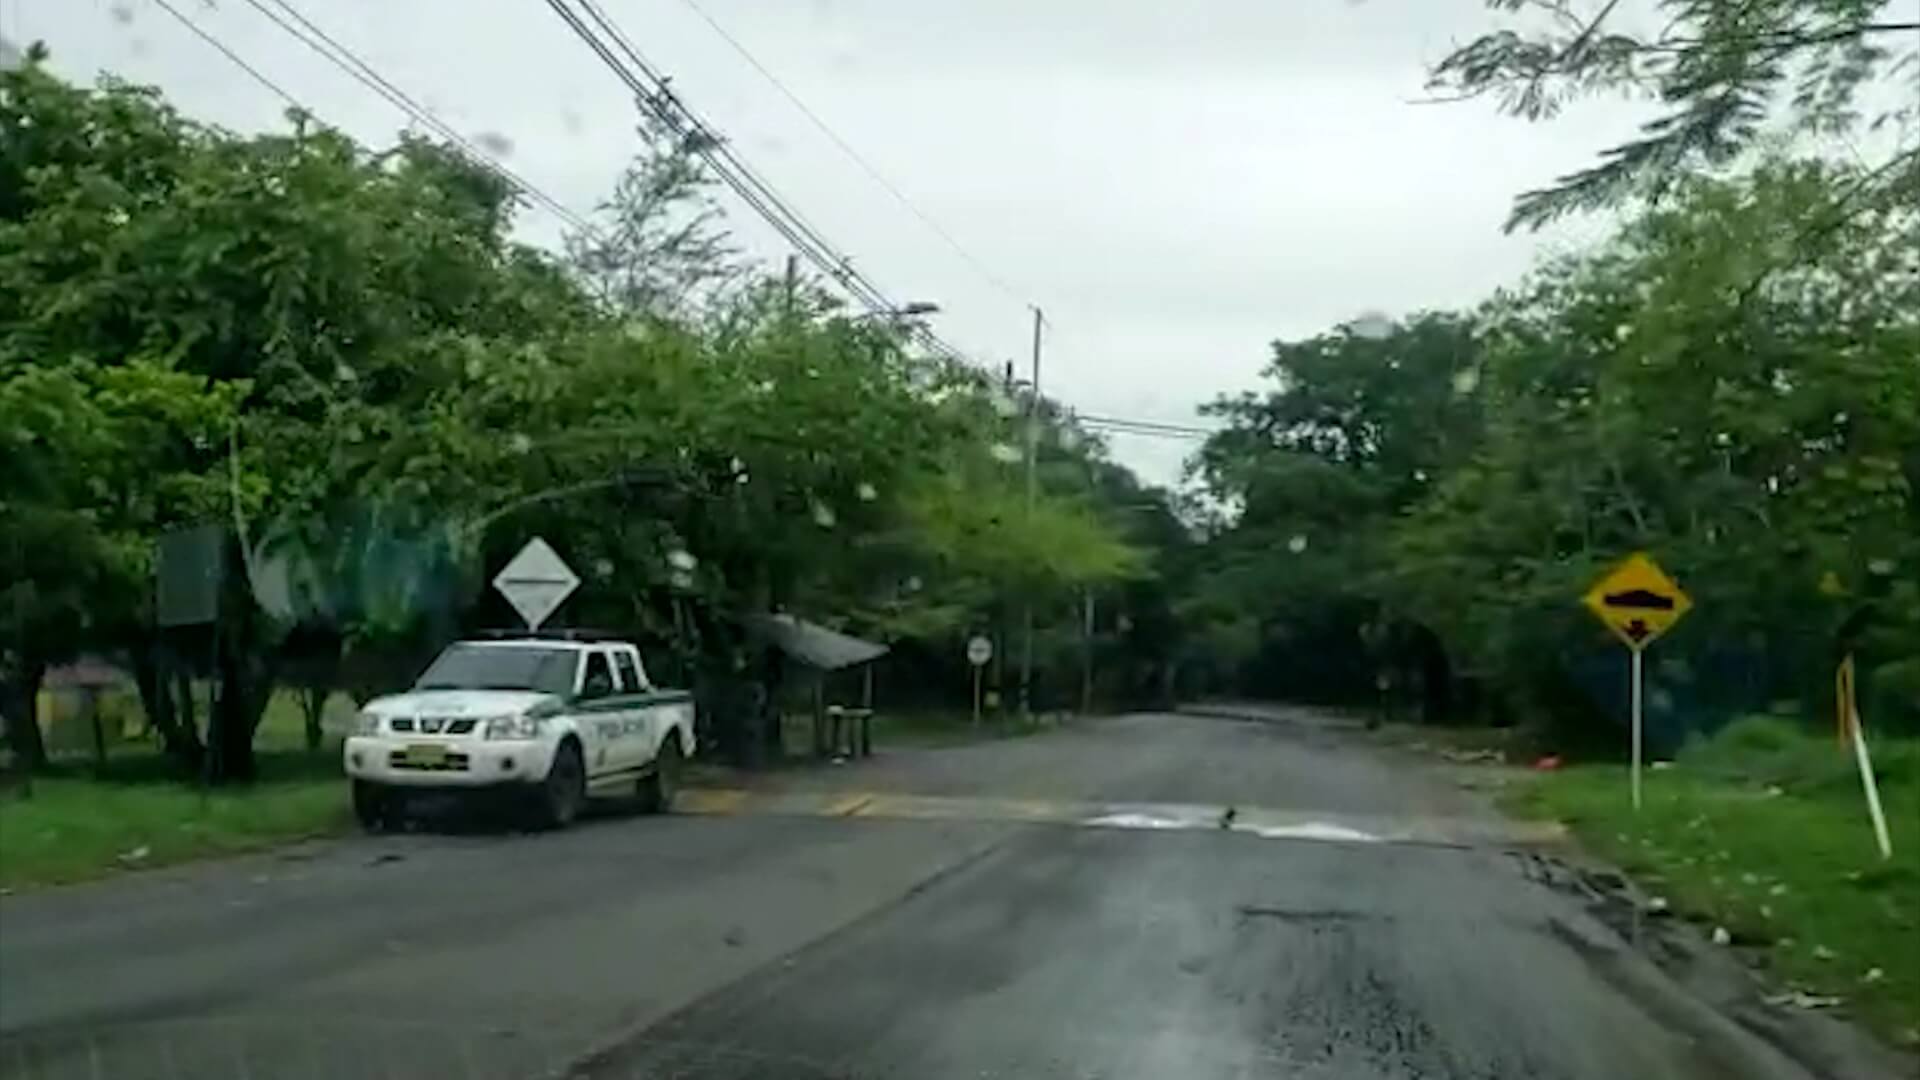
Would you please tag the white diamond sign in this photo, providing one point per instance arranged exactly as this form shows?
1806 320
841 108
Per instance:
535 582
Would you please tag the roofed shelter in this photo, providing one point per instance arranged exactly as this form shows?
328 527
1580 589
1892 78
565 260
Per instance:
823 651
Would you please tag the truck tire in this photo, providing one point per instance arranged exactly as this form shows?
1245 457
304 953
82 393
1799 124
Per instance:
376 808
659 786
558 798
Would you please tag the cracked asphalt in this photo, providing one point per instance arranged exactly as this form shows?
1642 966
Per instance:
1079 904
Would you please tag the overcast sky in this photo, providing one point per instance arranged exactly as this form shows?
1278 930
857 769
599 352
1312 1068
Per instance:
1176 184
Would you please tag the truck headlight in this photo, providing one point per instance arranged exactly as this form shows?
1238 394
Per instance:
513 727
366 723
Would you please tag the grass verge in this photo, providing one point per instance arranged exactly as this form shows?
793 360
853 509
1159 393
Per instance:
1764 831
74 828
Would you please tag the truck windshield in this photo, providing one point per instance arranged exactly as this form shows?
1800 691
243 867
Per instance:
495 667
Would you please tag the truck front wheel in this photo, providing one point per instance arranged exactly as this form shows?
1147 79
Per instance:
374 806
558 799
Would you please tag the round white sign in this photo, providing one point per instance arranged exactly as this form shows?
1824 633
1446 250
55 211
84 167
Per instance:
979 651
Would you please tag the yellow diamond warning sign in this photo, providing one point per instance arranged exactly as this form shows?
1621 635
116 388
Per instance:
1638 601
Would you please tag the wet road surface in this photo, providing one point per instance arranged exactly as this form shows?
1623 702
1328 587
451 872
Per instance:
1148 896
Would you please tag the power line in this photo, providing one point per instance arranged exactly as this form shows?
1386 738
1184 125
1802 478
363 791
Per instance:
346 60
1161 425
1116 425
235 57
867 167
654 95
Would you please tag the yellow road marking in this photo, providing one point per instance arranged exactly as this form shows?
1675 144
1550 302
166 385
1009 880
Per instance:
711 800
849 806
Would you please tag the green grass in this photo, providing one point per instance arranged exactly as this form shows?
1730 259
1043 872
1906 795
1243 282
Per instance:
75 826
139 811
72 830
1764 831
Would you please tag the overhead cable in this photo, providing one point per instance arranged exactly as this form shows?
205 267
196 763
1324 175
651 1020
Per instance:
654 95
238 61
346 60
856 157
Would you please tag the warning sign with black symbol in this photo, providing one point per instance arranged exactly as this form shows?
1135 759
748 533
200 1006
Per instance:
1638 601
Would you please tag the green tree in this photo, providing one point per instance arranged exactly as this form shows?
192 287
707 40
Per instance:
1720 69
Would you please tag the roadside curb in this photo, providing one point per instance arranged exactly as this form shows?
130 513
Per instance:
1702 978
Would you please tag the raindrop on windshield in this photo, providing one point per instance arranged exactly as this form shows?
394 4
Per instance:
494 143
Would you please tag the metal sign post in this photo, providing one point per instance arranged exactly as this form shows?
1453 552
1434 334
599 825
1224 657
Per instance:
1638 691
1638 602
979 651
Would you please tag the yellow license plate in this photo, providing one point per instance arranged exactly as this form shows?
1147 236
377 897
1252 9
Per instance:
426 755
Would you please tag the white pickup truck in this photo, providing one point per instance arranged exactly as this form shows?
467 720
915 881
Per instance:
551 721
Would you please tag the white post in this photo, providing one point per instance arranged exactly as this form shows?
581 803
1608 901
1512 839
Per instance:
1873 790
1636 729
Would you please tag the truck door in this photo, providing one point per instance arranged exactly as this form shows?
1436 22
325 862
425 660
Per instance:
639 735
599 706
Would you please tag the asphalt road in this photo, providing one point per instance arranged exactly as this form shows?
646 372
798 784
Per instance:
1148 896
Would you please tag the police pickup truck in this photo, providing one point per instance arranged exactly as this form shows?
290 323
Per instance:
548 721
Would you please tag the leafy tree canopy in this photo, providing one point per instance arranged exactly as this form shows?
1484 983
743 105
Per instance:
1720 70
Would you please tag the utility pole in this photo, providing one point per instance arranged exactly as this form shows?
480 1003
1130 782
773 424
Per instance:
1086 655
789 284
1033 491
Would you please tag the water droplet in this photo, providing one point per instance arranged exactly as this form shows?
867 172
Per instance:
1298 544
494 143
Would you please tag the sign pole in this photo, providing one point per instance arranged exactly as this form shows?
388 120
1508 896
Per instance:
979 651
1638 602
1636 730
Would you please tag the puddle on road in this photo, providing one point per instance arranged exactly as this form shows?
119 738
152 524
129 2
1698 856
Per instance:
1312 830
1267 823
1137 821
